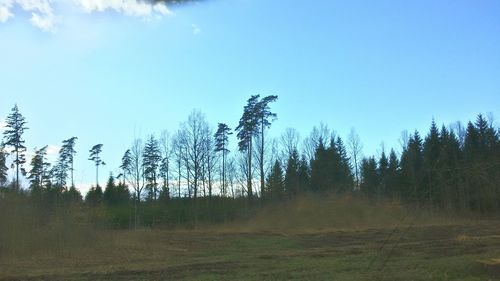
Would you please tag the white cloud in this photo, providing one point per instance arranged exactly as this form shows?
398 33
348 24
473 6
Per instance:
43 15
84 187
2 123
5 13
53 152
127 7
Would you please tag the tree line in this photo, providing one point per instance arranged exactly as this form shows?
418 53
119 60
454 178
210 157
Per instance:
455 167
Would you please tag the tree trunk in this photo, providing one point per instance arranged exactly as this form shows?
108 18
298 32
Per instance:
262 161
72 178
249 178
17 168
179 178
97 175
224 170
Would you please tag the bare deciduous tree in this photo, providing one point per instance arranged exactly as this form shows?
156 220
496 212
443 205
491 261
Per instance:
311 143
166 152
355 148
194 131
289 142
135 172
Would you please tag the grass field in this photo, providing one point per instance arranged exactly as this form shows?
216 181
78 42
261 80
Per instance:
404 248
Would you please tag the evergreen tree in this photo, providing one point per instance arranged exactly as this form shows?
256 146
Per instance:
13 137
431 155
247 129
115 194
292 180
346 178
38 174
72 196
67 155
264 118
471 167
59 174
163 173
3 166
304 174
392 176
320 171
96 158
221 144
330 170
94 196
151 162
383 172
449 178
61 168
126 165
370 180
275 184
412 169
481 165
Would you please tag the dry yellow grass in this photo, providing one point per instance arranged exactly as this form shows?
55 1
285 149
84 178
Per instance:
311 214
307 238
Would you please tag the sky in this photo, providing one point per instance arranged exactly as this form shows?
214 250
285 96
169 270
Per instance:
109 71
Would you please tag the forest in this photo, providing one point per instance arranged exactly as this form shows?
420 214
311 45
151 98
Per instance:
191 176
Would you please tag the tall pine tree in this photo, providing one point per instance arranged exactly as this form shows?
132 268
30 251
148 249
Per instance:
264 118
13 137
247 129
95 156
221 146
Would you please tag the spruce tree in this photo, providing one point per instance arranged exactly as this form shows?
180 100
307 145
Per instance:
304 174
319 169
151 162
94 196
163 173
275 184
370 180
72 196
470 166
412 169
449 173
392 177
115 194
383 172
431 155
481 165
346 177
292 180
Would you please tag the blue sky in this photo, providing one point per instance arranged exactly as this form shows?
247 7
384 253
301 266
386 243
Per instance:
108 73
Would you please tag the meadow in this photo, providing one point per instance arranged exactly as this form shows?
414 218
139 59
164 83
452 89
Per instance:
308 238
